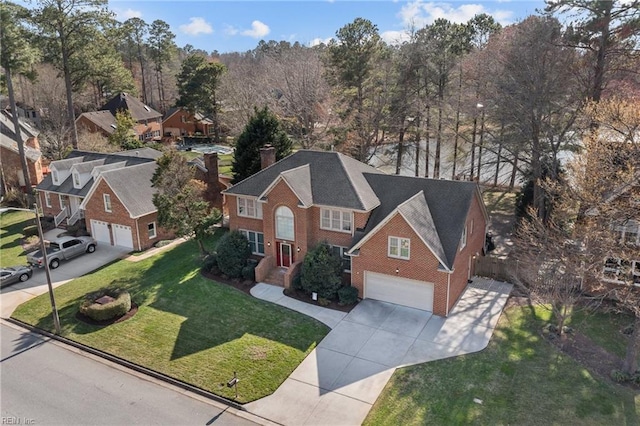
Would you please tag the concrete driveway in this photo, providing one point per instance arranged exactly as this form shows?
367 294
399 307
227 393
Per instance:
341 379
11 297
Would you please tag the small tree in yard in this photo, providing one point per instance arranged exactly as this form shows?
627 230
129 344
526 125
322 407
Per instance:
233 251
321 272
180 201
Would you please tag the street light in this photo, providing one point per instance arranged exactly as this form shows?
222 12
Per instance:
54 309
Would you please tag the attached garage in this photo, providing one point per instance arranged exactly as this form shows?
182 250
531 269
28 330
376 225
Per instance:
100 231
401 291
122 236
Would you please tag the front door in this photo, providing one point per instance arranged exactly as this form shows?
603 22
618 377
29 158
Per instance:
284 254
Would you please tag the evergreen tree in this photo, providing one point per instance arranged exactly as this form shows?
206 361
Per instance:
124 135
262 129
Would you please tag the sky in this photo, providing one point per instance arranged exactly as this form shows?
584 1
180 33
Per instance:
238 26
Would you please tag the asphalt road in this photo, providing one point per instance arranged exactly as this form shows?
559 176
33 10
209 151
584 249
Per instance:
44 383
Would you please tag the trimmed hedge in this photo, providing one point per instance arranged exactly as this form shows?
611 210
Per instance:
347 295
120 306
322 272
233 251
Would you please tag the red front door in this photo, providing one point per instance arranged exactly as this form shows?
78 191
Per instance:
284 254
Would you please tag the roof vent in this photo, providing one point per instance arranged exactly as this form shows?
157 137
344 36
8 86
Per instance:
147 108
114 126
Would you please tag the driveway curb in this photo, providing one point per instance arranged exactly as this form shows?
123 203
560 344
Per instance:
140 369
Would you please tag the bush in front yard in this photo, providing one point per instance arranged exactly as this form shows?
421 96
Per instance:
348 295
233 251
322 272
118 307
249 272
210 264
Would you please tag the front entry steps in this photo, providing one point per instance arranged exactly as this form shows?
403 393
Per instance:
276 276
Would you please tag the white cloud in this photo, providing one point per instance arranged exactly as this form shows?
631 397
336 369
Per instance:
230 30
123 15
395 37
196 26
419 13
258 30
317 41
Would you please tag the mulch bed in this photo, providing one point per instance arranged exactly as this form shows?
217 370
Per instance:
85 319
246 286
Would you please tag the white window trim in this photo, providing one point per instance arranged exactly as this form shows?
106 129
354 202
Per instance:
257 208
399 255
463 238
76 180
61 201
631 227
47 199
293 228
340 222
155 230
635 270
54 176
246 232
106 198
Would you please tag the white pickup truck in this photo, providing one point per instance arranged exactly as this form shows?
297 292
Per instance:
64 248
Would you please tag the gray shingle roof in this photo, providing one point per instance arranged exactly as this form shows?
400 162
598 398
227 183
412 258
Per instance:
87 166
103 119
299 179
137 199
335 180
6 126
138 110
145 152
12 145
448 203
66 187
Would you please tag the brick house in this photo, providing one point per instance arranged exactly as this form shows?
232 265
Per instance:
405 240
148 125
112 193
179 122
9 157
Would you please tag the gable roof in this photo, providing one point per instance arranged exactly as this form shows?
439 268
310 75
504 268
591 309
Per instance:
335 180
10 144
138 110
76 157
7 128
299 180
137 199
103 119
438 218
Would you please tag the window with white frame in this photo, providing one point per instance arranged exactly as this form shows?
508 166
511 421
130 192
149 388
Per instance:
256 241
622 271
336 220
47 199
249 207
341 252
628 233
54 176
62 200
399 247
284 223
107 202
463 238
151 229
76 179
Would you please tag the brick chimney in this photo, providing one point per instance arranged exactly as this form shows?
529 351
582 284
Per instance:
267 156
211 179
33 143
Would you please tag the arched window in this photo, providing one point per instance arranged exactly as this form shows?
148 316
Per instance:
284 223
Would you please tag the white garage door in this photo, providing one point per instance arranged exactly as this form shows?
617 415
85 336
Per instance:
122 236
100 231
401 291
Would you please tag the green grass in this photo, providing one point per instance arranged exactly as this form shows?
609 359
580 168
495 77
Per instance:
187 327
13 223
224 160
520 379
499 202
604 329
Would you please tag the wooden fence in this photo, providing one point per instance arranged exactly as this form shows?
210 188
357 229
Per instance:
496 268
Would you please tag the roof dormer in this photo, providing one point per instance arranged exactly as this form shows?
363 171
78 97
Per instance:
61 169
81 172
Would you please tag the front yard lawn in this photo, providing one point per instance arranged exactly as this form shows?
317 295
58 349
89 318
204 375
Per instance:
11 234
518 379
187 326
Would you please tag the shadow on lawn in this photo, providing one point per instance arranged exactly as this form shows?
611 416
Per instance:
16 228
214 313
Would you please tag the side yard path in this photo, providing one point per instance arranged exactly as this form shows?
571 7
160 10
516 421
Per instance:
341 379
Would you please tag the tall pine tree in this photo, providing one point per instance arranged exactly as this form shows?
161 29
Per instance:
262 129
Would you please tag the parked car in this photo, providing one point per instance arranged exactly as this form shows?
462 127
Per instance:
13 274
64 248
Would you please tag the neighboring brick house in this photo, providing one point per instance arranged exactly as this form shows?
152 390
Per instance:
112 193
148 121
206 169
179 122
405 240
10 159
